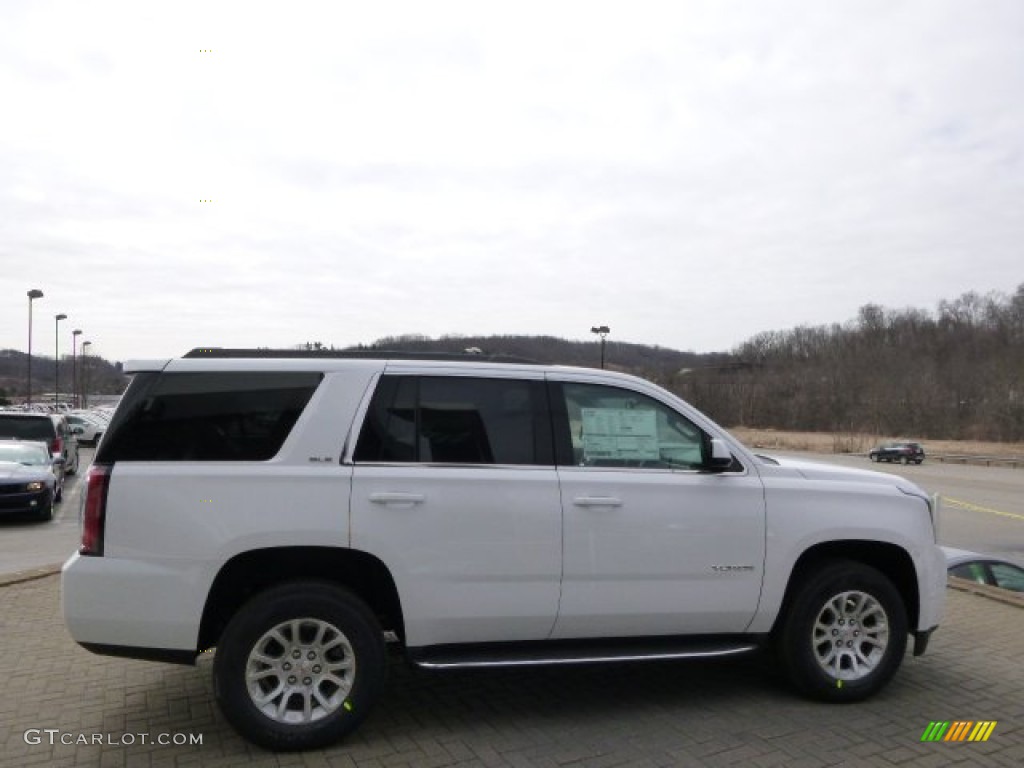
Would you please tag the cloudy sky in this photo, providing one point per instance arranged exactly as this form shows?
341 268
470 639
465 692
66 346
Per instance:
179 174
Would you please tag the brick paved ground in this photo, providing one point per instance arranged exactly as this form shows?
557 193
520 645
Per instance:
645 715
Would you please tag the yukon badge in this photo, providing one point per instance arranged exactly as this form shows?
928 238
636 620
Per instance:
731 568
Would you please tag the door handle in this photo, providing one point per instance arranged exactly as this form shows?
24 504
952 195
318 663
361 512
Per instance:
399 499
597 501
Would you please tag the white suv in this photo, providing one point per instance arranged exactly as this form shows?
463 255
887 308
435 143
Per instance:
298 511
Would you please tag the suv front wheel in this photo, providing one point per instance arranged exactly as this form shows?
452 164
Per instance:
299 666
845 633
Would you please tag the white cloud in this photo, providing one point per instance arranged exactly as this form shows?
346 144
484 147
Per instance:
688 173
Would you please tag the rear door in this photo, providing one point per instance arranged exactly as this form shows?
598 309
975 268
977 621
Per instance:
454 488
653 543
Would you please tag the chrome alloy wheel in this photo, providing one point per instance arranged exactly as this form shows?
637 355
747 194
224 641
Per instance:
300 671
850 635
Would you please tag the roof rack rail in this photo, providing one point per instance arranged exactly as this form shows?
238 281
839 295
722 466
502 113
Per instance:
372 354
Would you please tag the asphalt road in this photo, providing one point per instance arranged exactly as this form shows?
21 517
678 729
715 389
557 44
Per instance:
982 509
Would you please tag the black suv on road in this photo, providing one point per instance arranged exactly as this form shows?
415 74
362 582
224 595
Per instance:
904 453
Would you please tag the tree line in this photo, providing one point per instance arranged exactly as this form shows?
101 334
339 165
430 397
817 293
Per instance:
955 373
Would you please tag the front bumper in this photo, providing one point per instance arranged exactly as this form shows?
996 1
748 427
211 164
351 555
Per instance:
21 502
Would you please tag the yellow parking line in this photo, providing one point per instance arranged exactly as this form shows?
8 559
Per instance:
975 508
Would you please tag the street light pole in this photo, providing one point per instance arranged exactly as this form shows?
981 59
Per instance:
602 331
33 294
56 359
74 366
85 373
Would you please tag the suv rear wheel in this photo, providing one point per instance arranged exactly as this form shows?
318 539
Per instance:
845 633
299 666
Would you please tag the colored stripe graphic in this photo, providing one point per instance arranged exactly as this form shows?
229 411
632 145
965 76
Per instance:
982 731
959 730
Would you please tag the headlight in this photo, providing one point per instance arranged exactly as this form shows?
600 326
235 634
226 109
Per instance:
36 486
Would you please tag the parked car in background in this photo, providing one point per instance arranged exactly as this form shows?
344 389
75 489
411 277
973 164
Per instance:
31 479
91 427
52 429
984 569
904 453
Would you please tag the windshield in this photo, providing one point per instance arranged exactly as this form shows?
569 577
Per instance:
32 455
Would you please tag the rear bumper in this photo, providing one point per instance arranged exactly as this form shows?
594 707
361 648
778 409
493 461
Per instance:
127 607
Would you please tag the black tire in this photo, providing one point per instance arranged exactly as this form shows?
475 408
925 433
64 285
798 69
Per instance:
875 640
334 628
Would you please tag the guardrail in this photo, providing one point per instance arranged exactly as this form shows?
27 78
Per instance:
988 461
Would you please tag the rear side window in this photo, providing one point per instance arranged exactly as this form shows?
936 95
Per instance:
456 420
27 427
223 416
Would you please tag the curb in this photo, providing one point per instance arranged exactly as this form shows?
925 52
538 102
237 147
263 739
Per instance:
1004 596
9 579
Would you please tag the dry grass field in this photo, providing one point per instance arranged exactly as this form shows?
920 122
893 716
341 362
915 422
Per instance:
824 442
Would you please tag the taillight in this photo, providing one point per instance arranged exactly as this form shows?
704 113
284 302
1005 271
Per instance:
94 509
57 447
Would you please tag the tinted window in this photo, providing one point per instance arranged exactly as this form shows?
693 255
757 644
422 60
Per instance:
1008 576
971 572
237 416
611 427
456 420
27 427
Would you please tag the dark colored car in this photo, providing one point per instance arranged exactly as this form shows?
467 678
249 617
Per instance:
984 569
904 453
31 480
52 429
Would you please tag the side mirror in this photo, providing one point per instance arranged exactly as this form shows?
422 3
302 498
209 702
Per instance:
721 457
78 430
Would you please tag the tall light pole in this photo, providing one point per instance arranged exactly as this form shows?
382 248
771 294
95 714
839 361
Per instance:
602 331
56 359
85 373
33 294
74 366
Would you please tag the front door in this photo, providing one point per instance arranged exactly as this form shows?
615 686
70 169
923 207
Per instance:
653 543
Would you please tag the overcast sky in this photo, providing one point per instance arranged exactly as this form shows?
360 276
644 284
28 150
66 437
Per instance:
688 173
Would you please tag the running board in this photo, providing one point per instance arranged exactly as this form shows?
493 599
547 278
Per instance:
576 652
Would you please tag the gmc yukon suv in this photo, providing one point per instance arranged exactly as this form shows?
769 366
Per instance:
297 512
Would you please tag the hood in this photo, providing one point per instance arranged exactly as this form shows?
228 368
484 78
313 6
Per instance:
816 470
20 473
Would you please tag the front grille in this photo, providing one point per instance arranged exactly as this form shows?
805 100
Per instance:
10 489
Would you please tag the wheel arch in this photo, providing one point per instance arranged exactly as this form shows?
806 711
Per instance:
894 562
255 571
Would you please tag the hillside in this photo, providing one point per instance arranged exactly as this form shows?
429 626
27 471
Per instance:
955 373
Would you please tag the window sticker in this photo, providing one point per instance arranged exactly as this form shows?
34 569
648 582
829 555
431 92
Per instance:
619 434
